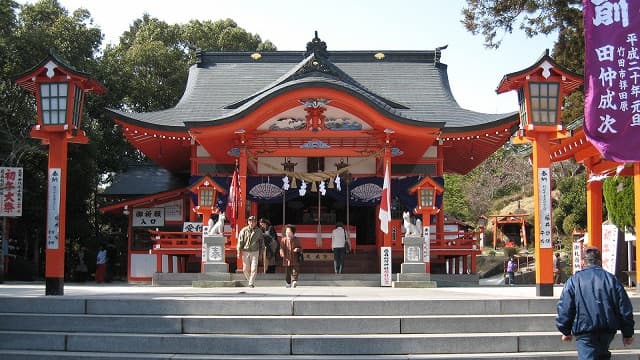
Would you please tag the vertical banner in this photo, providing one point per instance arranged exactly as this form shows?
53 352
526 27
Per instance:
577 256
385 266
612 77
609 247
53 209
426 247
544 204
11 184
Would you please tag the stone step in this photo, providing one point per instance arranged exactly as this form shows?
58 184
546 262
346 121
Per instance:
311 345
259 304
266 304
628 354
305 279
274 325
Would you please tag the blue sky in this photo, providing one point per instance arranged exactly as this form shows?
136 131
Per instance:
474 72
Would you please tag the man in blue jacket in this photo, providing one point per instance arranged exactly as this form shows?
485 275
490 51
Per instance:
593 307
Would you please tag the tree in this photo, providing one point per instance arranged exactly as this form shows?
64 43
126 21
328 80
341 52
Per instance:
618 197
493 19
26 34
146 71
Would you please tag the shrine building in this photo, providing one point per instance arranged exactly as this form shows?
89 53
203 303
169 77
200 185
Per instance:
309 134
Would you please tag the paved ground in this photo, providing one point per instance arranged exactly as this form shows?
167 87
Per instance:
121 290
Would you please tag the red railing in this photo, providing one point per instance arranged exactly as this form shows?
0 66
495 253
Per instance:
176 242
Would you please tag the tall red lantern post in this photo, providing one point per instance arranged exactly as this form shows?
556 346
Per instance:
541 88
59 90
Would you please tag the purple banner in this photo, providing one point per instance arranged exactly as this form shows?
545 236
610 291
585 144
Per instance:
612 77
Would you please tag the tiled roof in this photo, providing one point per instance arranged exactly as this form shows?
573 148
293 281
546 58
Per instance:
144 179
409 86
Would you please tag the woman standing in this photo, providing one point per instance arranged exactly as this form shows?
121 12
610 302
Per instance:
290 250
270 246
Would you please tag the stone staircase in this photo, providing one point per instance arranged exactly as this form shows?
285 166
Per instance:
261 325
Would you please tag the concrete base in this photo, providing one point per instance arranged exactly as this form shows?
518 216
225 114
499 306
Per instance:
414 281
414 284
222 268
214 284
54 286
413 277
413 268
544 289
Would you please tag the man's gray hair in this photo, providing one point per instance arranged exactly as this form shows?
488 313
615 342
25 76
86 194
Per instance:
592 256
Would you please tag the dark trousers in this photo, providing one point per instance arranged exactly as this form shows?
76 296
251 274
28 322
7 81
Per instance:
338 259
291 274
594 346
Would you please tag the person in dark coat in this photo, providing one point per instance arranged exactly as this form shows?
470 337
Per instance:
593 307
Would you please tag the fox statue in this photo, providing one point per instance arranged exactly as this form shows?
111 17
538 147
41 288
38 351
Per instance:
411 229
218 228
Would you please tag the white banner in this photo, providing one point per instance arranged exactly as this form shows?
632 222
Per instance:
609 247
426 247
143 217
385 266
53 209
577 256
544 204
11 184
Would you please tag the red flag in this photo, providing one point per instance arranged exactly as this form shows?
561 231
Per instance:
231 212
385 199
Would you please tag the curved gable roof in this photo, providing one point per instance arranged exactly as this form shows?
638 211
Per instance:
410 86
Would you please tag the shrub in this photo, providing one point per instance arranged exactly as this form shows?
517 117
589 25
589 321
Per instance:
509 251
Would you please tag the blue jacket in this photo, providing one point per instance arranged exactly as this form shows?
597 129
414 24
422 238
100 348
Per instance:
592 301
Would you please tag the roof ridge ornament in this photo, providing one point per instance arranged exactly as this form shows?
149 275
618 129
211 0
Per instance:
317 47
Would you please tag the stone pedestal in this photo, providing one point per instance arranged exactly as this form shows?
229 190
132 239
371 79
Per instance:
213 260
413 271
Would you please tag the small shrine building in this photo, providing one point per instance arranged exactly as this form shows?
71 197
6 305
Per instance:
308 133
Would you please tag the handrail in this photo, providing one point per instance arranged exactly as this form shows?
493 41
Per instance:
163 241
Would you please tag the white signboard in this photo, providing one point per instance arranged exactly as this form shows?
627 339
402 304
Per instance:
11 181
143 217
577 256
609 247
426 248
544 204
192 227
385 266
53 209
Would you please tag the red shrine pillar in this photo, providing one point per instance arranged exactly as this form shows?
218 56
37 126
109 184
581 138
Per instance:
242 205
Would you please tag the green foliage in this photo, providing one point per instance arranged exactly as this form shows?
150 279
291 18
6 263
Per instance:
493 19
502 174
455 199
618 196
569 224
146 71
573 202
